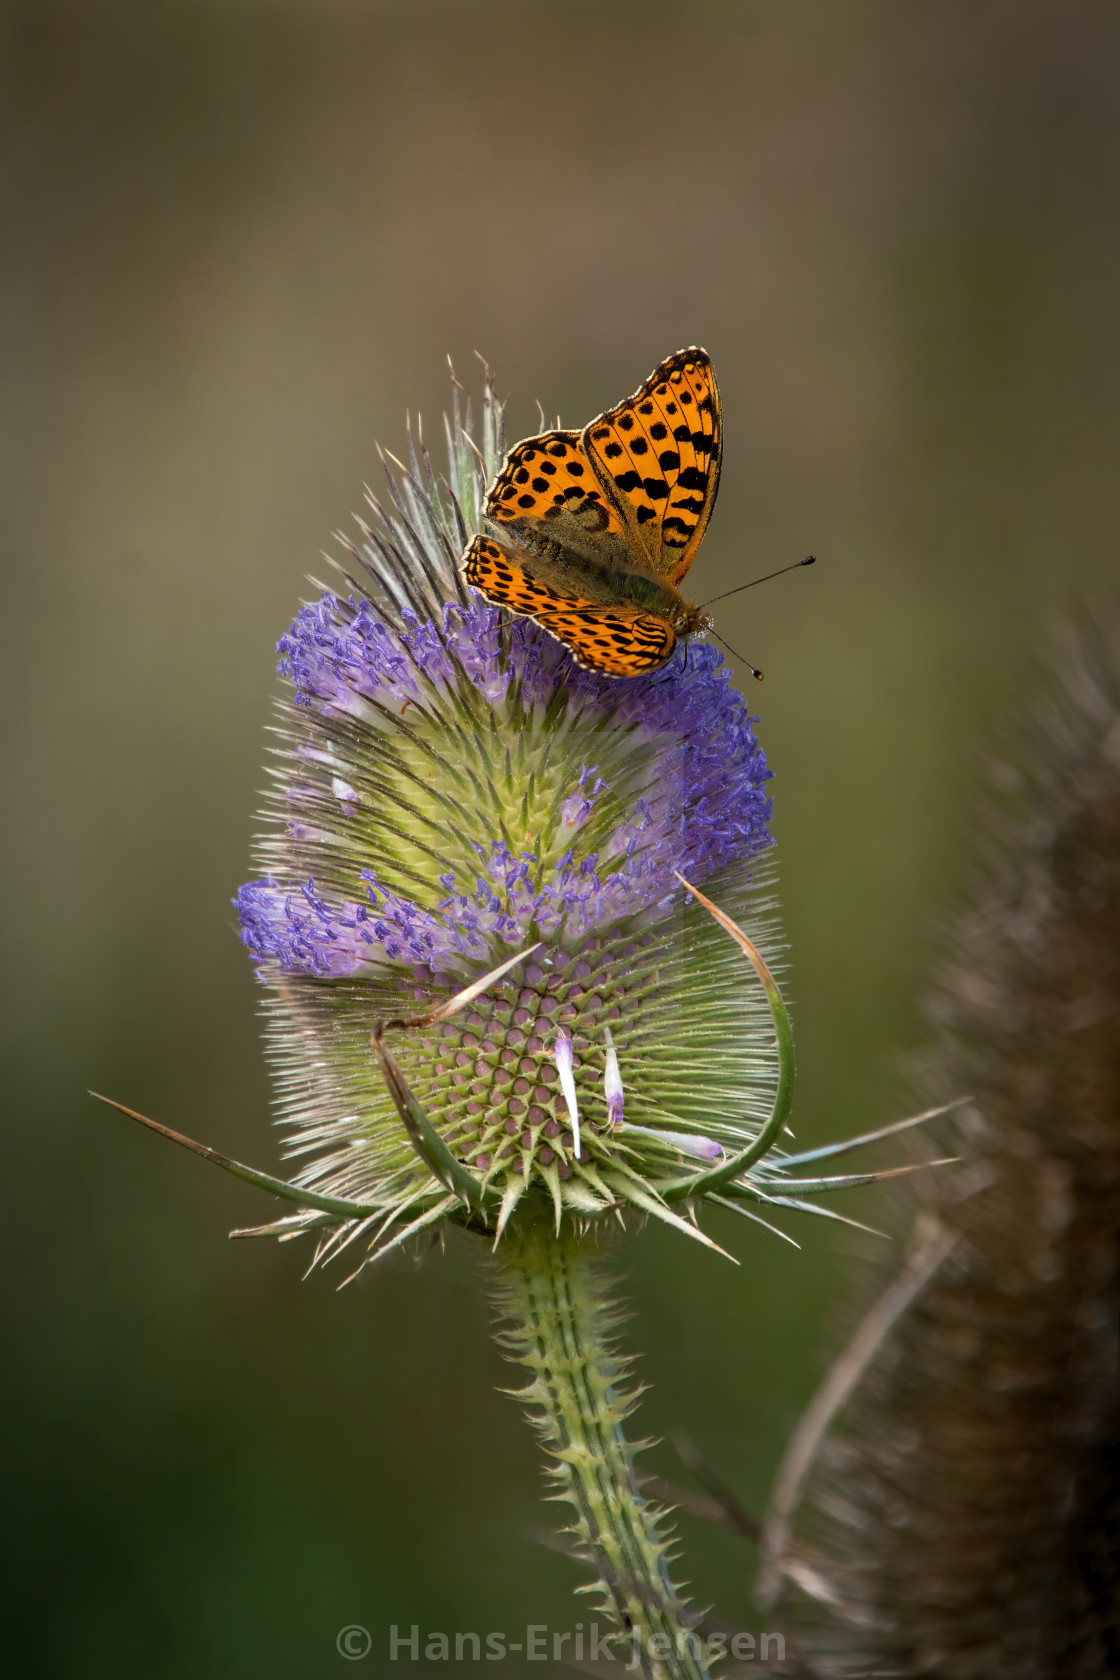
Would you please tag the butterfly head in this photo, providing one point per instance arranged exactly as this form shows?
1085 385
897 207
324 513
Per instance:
690 621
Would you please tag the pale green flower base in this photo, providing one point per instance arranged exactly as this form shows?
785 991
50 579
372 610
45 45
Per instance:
560 1325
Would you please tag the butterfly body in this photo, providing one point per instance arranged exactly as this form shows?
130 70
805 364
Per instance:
590 532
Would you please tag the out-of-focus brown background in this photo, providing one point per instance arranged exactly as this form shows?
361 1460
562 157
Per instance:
240 239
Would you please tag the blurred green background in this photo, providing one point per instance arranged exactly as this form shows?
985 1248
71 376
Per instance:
240 239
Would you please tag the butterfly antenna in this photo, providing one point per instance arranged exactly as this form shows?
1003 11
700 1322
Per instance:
753 669
809 560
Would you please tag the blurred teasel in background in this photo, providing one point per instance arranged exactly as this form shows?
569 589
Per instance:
960 1515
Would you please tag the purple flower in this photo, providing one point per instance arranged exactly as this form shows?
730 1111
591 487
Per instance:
689 793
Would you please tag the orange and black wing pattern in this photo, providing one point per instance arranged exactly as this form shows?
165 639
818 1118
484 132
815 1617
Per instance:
549 478
497 574
658 457
615 641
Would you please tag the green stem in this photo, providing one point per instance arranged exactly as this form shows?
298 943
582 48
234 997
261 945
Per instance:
560 1324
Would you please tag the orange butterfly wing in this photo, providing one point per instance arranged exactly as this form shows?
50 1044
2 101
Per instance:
658 456
549 479
492 569
616 641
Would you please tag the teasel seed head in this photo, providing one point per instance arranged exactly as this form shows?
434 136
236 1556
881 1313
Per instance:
451 789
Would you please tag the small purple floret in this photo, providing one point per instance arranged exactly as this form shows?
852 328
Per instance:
688 1143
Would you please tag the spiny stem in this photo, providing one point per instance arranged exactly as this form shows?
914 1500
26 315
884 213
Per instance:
559 1324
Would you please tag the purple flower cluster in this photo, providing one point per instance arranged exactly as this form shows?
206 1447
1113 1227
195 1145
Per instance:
704 805
337 650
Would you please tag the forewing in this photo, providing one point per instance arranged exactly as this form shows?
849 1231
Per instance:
548 491
615 641
658 455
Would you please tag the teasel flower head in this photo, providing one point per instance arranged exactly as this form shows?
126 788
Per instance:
451 790
514 929
950 1504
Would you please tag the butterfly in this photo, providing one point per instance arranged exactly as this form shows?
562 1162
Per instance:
589 533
